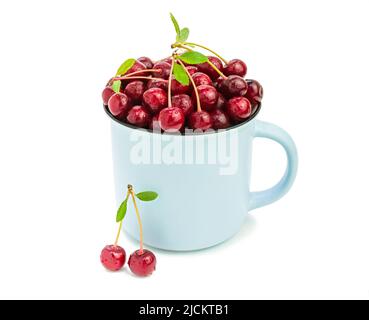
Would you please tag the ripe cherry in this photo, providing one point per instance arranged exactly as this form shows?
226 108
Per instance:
155 99
207 68
200 120
118 105
179 88
233 86
221 102
106 95
218 82
192 69
135 90
154 83
208 97
139 116
235 67
113 257
143 263
184 102
171 119
147 62
164 70
201 78
219 119
239 109
254 92
138 66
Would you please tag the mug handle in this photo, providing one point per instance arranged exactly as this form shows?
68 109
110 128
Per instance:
273 132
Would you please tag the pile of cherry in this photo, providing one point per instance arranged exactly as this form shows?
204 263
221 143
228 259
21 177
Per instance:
143 98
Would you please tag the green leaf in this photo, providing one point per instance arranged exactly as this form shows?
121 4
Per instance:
175 23
183 35
147 195
116 86
193 57
125 66
121 213
180 74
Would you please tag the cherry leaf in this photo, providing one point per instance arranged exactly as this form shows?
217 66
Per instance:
193 57
147 195
125 66
116 86
175 24
180 74
183 35
121 213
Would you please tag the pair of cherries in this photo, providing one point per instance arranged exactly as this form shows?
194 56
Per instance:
141 262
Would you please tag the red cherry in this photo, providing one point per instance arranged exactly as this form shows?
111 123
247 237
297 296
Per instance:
184 102
135 90
147 62
106 95
138 66
142 264
233 86
171 119
139 116
219 119
200 120
221 102
236 67
208 97
239 109
192 70
179 88
155 99
113 257
118 105
207 68
201 78
254 92
164 70
157 84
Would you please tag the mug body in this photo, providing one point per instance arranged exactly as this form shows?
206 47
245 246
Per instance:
202 182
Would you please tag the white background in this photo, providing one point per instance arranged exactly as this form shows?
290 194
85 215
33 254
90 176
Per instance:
57 205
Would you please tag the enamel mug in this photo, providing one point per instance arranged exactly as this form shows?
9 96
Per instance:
202 180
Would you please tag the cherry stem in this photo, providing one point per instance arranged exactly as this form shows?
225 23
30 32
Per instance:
130 190
209 62
170 83
194 86
138 77
120 225
208 49
141 71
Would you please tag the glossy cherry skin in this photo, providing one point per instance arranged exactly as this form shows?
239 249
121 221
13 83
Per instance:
192 69
235 67
218 82
254 92
113 257
184 102
139 117
142 264
106 95
201 78
207 68
233 86
164 70
179 88
118 105
208 97
138 66
162 84
220 119
135 90
239 109
155 99
147 62
221 102
171 119
200 120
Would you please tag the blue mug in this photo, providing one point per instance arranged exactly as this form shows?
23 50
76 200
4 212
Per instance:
202 181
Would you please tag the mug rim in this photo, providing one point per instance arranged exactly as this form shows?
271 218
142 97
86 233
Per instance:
130 126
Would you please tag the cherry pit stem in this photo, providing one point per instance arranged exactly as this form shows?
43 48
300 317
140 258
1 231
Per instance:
208 49
209 62
141 71
139 77
193 85
132 193
170 82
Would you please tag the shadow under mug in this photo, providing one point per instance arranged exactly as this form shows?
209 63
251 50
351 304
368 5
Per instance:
200 203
